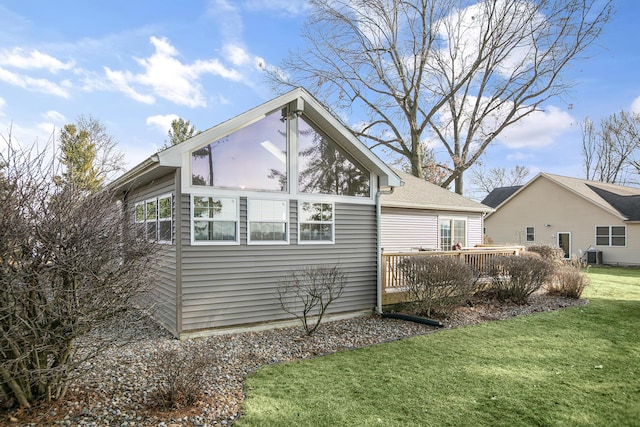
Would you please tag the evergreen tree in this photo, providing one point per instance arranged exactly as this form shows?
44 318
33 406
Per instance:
181 130
78 156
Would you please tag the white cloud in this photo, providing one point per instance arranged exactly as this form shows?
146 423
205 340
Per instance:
162 122
236 55
167 77
54 116
3 104
538 129
289 7
19 58
35 84
635 105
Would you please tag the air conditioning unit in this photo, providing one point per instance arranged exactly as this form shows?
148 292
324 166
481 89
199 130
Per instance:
594 257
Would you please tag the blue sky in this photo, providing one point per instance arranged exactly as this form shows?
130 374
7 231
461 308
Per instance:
136 65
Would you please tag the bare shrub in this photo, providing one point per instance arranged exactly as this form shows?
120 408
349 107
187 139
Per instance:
66 269
181 376
568 280
551 253
515 278
437 284
307 292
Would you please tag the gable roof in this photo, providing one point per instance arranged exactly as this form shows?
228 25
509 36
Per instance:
499 195
300 101
420 194
624 202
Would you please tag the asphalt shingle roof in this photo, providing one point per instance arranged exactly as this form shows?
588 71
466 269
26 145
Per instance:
421 194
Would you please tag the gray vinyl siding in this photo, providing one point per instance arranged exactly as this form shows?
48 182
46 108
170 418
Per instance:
235 285
408 229
164 293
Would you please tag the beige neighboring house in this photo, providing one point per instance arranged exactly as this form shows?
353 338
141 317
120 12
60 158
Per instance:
590 219
421 215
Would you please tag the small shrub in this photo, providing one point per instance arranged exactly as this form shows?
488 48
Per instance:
568 281
437 284
308 292
551 253
515 278
180 375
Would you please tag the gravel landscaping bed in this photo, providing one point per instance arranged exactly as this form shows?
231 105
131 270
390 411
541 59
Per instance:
119 386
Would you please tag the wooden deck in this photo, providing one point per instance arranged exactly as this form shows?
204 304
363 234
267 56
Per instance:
393 281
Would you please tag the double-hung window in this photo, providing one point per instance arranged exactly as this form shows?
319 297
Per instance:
611 235
214 219
530 234
316 222
267 221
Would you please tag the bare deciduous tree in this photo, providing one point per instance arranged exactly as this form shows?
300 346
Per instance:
452 71
612 151
485 181
66 269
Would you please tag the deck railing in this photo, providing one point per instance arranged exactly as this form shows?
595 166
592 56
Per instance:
394 282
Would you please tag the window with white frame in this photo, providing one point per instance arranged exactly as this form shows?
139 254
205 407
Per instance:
316 222
611 235
530 234
165 215
154 219
214 219
267 221
151 219
140 220
452 231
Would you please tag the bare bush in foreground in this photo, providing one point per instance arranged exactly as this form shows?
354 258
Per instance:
515 278
306 293
66 269
437 283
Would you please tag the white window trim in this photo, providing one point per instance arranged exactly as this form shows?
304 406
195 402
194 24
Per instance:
453 218
169 220
333 224
610 235
286 226
195 242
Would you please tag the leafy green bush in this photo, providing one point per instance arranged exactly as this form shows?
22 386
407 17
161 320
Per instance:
437 284
515 278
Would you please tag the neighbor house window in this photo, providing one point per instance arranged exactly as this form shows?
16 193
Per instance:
611 235
531 234
251 158
316 222
268 221
165 215
324 168
214 219
452 231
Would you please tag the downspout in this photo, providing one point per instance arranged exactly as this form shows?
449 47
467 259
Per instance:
379 248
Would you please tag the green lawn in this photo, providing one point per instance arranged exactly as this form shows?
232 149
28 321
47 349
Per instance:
573 367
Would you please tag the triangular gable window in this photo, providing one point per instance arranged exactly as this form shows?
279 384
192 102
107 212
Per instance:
324 168
251 158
